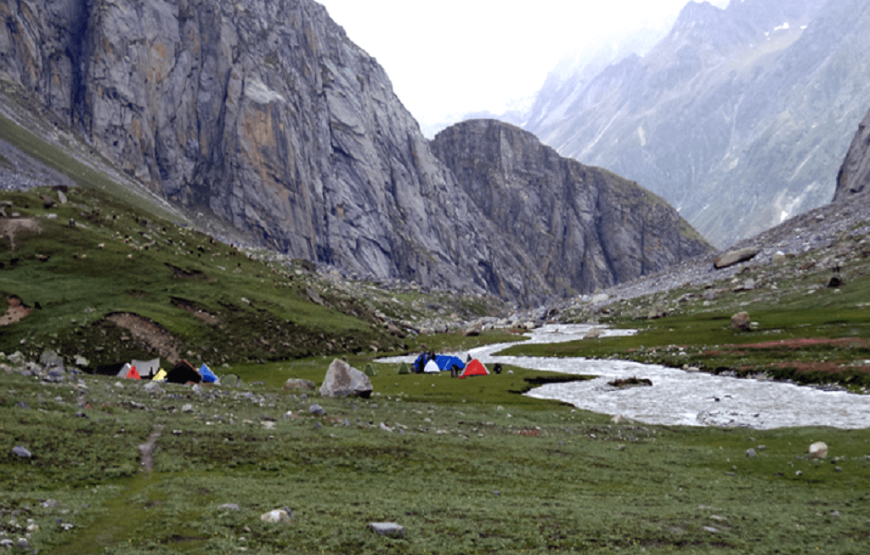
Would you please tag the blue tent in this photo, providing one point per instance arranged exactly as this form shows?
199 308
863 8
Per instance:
419 364
207 375
446 362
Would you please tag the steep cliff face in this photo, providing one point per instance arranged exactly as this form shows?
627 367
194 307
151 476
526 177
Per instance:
582 227
854 176
739 117
262 113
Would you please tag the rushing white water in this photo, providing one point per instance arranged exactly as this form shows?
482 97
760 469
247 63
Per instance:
678 397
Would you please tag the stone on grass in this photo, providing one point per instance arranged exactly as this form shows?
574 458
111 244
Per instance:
317 410
153 388
294 384
344 381
49 503
187 408
387 529
751 453
818 450
277 516
19 451
229 506
741 322
735 257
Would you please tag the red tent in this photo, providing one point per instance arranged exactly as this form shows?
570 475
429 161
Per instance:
133 374
474 368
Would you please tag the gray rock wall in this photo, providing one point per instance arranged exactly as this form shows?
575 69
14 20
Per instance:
262 113
854 176
582 227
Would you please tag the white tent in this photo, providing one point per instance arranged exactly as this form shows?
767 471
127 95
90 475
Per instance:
431 368
147 367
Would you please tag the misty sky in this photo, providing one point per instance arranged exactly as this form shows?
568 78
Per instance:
456 56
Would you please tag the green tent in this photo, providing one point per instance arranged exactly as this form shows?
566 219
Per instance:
403 369
369 371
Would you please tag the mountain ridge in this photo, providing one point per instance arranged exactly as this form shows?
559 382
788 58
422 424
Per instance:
751 105
264 115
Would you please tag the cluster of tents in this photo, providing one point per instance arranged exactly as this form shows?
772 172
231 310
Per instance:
430 363
182 373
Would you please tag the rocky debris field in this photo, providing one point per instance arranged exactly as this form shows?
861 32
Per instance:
827 234
19 172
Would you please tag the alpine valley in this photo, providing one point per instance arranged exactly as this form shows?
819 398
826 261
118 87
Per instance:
263 119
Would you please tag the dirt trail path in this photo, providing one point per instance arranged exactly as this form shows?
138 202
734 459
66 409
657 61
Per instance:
146 450
15 313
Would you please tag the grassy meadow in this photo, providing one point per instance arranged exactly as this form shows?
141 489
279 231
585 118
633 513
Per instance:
467 467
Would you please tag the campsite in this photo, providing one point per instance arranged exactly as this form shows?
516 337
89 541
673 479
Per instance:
464 466
93 462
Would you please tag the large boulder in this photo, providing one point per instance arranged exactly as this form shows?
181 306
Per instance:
818 450
741 322
342 380
735 257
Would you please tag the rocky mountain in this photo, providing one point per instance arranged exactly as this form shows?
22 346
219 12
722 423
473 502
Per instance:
577 224
262 113
854 176
739 117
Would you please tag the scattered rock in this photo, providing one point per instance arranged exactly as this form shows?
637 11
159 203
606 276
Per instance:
49 503
294 384
187 408
741 322
21 452
818 450
385 428
751 453
316 410
22 544
657 312
735 257
152 388
631 382
835 282
387 529
278 516
344 381
229 506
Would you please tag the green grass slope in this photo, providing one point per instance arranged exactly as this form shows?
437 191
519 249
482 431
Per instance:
120 284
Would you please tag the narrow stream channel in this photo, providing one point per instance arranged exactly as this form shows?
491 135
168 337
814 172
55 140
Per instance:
679 397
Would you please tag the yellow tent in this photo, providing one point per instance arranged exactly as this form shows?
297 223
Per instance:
160 376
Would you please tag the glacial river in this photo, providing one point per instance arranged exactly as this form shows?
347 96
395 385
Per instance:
678 397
